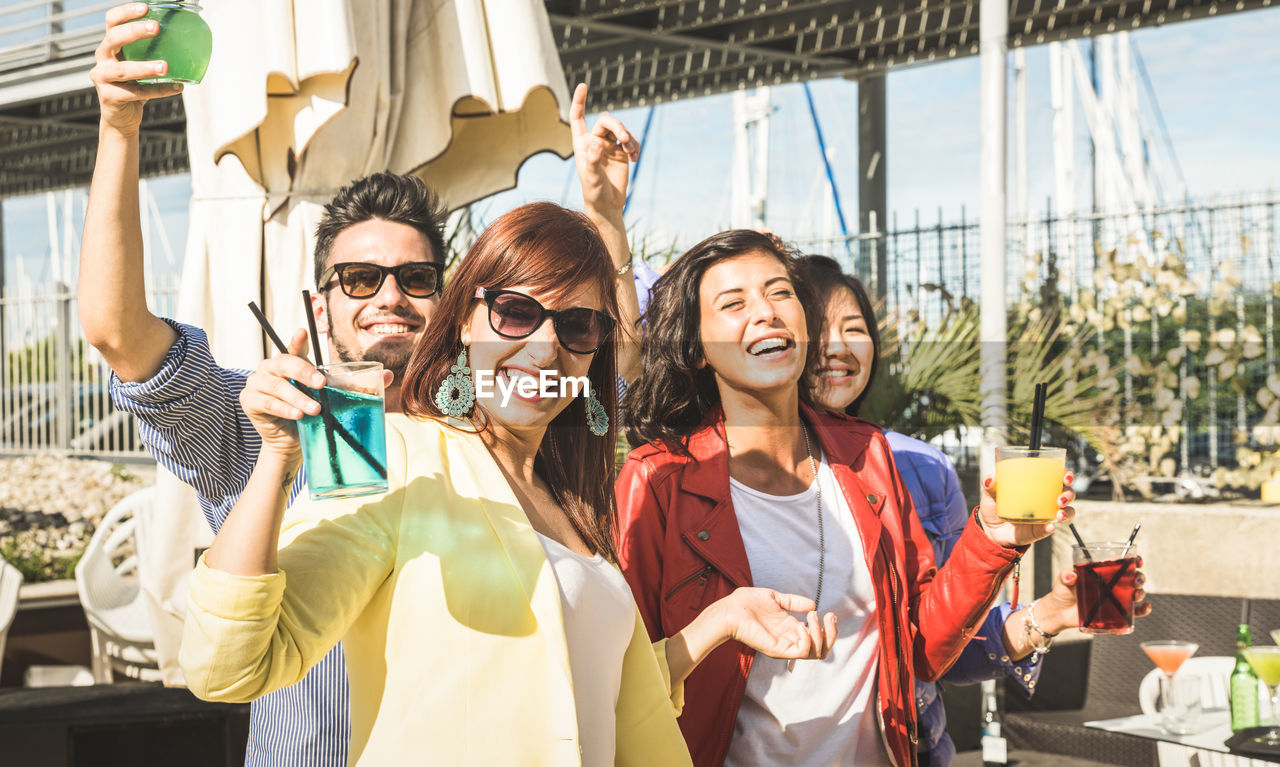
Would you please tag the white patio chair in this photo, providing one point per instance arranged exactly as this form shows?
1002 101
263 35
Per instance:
119 625
1215 683
10 582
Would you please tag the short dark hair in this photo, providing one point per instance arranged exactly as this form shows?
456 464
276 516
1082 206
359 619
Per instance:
826 277
400 199
674 392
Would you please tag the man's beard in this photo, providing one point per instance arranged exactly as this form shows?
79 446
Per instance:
393 357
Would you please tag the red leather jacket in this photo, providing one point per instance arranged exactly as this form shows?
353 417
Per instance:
681 549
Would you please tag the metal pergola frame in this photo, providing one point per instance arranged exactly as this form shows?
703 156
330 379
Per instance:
632 53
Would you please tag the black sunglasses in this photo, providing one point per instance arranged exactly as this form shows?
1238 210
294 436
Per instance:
515 315
360 279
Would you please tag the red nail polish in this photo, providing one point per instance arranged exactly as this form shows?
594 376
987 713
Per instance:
986 482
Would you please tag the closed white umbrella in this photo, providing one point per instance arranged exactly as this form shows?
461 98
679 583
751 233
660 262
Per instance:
301 97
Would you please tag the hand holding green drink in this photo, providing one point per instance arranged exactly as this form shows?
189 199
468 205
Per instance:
182 39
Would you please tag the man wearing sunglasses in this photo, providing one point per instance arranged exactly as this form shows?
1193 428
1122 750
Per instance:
378 268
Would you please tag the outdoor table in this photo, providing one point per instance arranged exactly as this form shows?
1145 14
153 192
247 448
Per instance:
1212 732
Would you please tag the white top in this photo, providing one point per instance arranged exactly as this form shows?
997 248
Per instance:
599 619
822 713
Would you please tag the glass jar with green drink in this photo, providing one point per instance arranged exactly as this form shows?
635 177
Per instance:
184 41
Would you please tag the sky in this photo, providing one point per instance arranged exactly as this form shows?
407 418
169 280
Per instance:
1216 82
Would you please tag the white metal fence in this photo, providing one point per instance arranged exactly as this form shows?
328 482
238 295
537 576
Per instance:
53 385
1183 298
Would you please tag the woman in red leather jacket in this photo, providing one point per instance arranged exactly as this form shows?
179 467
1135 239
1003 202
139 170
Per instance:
738 482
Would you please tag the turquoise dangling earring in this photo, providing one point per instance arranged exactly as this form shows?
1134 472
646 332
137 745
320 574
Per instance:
457 393
597 418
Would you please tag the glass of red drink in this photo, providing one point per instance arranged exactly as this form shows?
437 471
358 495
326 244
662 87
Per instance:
1106 578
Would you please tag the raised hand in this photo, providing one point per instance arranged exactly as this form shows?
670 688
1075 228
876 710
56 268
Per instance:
273 404
602 155
1022 533
120 97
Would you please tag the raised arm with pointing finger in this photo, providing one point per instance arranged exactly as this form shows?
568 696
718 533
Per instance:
603 155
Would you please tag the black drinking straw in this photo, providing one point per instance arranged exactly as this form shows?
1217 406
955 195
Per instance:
266 328
322 396
1129 543
311 325
1037 415
1083 548
1111 584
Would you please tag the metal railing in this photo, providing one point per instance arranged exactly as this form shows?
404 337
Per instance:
53 386
1229 251
34 32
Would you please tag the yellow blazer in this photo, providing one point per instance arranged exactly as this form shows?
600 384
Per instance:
449 615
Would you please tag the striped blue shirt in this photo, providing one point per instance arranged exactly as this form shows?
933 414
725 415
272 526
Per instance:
190 419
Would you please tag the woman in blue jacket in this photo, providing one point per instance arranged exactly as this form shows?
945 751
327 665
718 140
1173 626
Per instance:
1011 641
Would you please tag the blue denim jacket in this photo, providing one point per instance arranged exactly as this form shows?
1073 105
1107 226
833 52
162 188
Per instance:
935 491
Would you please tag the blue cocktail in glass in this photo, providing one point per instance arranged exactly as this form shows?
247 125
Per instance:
344 448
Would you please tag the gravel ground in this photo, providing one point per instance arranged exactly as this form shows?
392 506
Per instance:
50 506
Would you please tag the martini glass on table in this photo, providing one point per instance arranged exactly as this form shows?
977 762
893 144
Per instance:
1169 655
1266 664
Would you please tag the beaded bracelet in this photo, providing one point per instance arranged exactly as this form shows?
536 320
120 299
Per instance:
1030 623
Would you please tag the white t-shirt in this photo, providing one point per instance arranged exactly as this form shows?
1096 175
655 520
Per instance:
822 713
599 619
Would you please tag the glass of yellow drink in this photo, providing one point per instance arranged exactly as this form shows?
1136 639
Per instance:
1028 483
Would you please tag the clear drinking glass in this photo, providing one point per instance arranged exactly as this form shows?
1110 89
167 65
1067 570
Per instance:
1179 703
344 448
1028 482
184 41
1106 578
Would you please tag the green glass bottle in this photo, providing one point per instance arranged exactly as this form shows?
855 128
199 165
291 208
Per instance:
1244 683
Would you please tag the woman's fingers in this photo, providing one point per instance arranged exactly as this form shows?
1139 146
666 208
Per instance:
118 37
578 111
793 603
127 12
612 130
829 632
124 73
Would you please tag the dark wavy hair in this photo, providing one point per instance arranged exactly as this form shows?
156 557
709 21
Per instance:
556 250
400 199
672 395
826 277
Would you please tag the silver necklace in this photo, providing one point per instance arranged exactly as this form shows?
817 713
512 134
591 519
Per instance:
822 539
